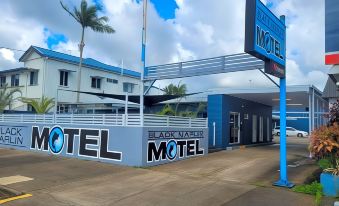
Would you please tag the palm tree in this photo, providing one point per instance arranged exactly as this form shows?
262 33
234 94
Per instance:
179 90
6 97
87 16
41 106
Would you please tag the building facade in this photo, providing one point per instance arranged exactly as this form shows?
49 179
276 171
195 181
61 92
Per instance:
55 75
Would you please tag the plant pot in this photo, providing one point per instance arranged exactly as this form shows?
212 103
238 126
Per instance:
330 184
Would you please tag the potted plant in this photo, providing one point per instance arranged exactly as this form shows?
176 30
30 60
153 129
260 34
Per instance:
325 147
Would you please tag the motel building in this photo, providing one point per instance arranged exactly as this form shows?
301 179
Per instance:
96 127
55 75
232 118
247 116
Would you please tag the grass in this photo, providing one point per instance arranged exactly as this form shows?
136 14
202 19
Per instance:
314 188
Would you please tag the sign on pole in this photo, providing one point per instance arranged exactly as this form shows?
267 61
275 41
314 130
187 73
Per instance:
265 37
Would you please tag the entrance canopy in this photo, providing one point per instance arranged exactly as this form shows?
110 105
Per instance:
223 64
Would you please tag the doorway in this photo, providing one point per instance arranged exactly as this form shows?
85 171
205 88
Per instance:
234 128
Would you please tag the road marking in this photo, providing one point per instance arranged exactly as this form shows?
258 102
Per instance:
14 179
15 198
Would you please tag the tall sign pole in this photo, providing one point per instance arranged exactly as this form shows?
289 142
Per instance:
143 61
265 38
283 181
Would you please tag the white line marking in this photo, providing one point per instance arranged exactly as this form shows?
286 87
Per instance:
14 179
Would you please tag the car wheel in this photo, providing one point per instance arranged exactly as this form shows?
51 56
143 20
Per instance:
299 135
278 133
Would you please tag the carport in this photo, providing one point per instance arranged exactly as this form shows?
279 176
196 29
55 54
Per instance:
305 106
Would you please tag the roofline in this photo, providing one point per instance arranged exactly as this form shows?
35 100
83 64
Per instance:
36 49
19 69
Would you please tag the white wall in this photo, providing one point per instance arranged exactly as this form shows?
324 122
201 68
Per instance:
49 79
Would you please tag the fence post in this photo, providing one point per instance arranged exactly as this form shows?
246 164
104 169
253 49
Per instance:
123 119
168 121
22 118
190 122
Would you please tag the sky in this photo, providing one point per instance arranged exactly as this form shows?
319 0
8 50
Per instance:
177 30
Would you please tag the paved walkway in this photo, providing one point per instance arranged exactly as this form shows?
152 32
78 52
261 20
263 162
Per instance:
239 177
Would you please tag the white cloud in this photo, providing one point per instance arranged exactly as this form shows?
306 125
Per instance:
201 29
7 55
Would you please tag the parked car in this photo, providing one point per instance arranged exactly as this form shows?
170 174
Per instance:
290 131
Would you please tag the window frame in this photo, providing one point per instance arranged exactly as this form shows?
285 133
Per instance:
2 84
33 80
97 83
129 86
15 82
63 78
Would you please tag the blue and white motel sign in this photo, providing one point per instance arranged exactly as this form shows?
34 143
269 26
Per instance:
265 37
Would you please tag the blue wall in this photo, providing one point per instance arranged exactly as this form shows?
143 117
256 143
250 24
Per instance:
219 108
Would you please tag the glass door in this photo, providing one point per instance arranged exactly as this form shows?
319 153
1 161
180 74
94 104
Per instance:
234 128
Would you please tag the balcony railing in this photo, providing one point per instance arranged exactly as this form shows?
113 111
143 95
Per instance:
150 120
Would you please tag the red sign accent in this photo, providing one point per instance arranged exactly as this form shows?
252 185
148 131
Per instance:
331 59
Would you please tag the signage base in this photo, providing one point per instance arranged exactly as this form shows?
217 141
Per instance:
283 183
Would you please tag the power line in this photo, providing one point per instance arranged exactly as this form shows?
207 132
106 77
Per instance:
1 47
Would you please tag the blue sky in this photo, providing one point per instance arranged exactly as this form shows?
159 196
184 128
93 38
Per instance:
165 8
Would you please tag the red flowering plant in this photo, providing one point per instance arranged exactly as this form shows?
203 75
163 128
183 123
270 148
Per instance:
324 145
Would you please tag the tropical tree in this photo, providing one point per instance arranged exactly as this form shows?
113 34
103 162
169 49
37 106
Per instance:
179 90
87 17
6 97
41 106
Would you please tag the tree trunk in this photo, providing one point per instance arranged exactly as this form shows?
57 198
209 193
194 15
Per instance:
81 48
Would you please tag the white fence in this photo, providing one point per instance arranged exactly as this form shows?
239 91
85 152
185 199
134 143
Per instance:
106 119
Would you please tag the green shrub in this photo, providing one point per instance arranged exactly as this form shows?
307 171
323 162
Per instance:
167 110
325 163
314 188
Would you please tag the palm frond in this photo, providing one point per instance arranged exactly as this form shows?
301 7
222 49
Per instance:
41 106
70 13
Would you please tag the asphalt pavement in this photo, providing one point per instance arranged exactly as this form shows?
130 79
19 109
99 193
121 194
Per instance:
237 177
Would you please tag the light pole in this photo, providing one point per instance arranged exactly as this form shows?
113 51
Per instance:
143 62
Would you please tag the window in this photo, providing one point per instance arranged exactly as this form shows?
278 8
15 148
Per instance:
33 78
96 83
63 78
2 81
63 109
113 81
128 87
15 80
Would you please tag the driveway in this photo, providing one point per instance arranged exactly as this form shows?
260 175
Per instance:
238 177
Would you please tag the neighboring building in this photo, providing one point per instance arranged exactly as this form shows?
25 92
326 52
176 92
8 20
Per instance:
331 91
50 73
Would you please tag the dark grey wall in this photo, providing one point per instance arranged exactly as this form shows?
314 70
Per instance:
219 108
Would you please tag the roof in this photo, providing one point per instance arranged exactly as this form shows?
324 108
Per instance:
331 90
20 69
87 62
297 95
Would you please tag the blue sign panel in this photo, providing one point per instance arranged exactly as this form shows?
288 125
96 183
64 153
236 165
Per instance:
265 35
331 32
